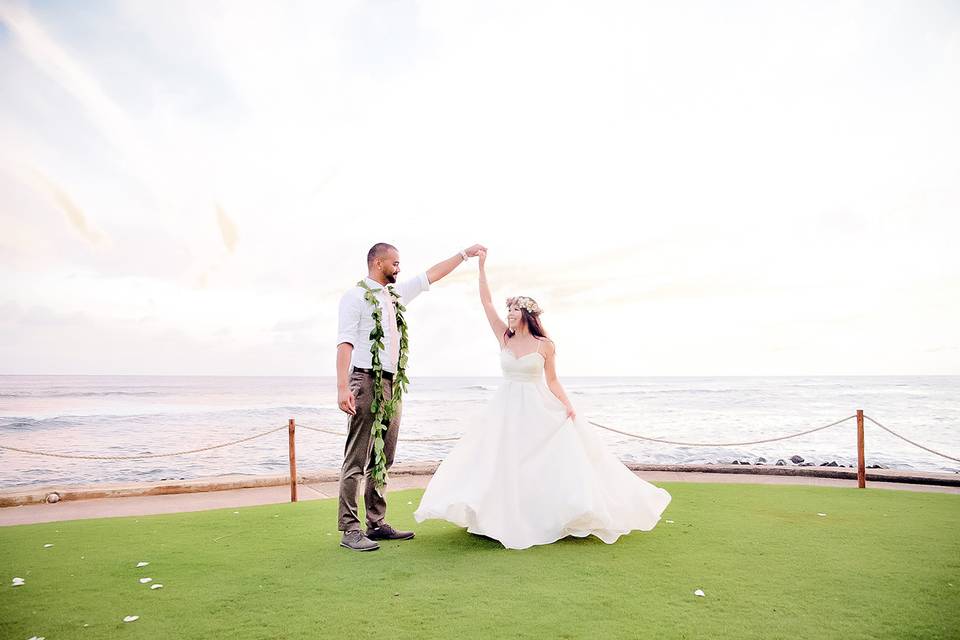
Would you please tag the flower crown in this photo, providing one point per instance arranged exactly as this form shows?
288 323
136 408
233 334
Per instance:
528 304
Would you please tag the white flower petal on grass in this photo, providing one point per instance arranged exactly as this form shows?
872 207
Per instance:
156 586
669 521
131 618
142 564
821 514
699 592
17 582
145 580
409 503
47 546
236 512
37 638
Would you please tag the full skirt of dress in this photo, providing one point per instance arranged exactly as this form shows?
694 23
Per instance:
525 474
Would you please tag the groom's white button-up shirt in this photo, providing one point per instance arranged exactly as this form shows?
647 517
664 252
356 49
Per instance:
356 320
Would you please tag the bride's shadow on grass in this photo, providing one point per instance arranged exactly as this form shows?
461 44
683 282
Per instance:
459 540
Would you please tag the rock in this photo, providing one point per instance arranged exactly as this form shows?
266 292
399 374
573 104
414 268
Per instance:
832 463
53 497
781 463
807 464
796 459
735 462
760 460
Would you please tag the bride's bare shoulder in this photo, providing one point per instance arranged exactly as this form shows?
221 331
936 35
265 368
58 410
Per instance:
547 346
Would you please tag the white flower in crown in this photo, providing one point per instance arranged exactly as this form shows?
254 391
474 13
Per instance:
529 304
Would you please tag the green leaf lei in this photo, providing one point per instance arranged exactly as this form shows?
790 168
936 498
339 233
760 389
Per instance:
383 410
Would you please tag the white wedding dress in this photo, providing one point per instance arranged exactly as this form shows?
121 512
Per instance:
525 474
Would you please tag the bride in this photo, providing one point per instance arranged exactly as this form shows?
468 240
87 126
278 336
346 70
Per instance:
528 471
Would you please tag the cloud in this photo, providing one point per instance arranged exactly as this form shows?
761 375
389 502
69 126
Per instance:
228 230
621 160
75 216
65 69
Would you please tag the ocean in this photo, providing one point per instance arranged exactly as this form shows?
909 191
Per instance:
135 415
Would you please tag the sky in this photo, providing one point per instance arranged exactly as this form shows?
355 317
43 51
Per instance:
687 188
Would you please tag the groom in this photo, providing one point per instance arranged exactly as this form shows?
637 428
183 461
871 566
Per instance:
355 385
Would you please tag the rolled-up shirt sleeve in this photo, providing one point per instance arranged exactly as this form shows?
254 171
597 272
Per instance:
410 289
348 324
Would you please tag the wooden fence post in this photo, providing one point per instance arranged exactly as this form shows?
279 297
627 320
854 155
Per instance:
291 428
861 467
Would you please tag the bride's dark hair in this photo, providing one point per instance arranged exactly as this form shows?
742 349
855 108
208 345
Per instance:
532 319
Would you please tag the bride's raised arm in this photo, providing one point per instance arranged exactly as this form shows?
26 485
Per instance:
496 322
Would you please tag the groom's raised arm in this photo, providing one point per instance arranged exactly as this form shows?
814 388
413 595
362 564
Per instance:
442 269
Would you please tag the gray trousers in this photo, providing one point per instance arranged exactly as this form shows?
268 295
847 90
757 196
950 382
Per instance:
358 456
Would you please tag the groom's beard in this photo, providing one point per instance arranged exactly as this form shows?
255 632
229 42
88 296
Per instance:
391 278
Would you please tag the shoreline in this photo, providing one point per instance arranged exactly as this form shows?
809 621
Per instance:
38 494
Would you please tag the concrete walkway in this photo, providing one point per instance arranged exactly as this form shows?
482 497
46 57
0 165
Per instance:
139 505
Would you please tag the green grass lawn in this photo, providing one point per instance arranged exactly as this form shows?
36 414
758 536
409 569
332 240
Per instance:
880 564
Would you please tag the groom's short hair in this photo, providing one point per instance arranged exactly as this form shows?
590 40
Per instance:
378 250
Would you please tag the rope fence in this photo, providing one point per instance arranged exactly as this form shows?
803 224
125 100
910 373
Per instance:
893 433
146 455
291 427
720 444
344 435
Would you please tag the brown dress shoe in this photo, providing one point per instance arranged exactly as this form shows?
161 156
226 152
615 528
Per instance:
386 532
